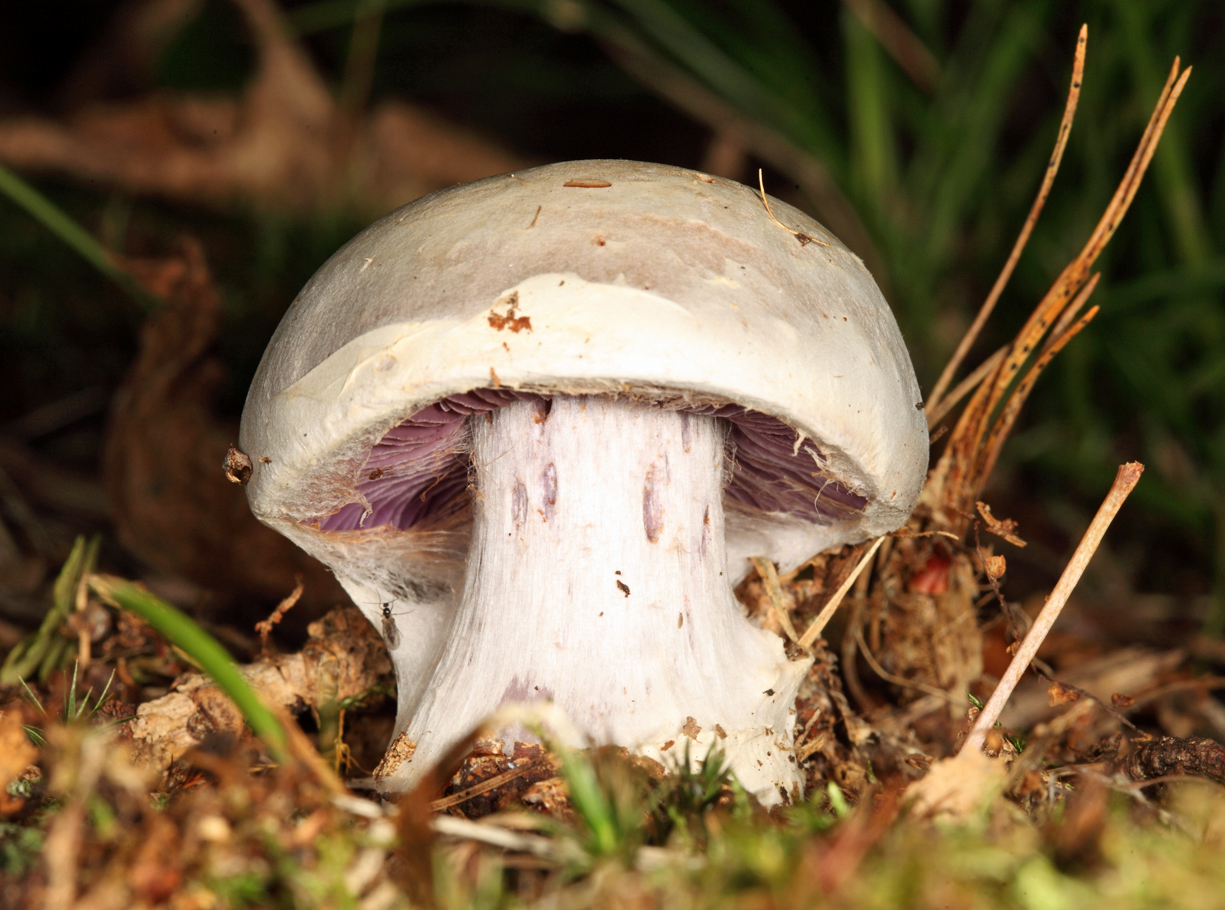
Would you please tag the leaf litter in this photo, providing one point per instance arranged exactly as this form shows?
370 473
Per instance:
284 145
158 794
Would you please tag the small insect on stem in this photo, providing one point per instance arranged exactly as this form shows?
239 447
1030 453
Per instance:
391 632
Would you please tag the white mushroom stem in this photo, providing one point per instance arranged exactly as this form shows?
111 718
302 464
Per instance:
597 578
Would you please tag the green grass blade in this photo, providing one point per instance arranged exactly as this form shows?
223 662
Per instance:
72 235
181 631
763 41
35 735
735 83
34 700
873 162
70 697
54 658
837 800
64 589
323 15
590 801
40 653
1172 167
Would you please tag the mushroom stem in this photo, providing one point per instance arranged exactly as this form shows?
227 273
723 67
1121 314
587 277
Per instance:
597 578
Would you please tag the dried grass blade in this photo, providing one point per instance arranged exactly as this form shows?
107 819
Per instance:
1066 319
1135 171
1074 275
774 591
1052 168
964 387
1012 408
485 786
551 849
960 451
827 612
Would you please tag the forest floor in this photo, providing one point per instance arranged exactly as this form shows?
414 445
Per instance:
138 770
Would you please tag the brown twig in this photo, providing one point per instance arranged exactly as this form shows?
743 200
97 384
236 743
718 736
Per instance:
1150 762
1052 168
484 786
774 591
1076 693
899 41
1124 482
827 612
265 627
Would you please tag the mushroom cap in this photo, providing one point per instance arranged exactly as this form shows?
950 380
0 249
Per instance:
591 277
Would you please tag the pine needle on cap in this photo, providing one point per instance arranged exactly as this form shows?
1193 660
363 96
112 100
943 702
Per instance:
804 239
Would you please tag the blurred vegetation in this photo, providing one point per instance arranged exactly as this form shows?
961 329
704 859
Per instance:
917 129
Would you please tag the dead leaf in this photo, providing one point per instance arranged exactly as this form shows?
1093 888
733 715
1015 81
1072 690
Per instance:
1002 528
400 751
16 754
285 144
995 567
161 460
956 787
1060 694
237 466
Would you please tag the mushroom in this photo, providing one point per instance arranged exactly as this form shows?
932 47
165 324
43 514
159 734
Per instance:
538 424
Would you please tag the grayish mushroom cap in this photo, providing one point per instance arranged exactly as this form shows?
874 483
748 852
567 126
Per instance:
586 277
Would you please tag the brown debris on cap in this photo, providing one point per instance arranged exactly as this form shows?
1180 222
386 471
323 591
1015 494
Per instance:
237 466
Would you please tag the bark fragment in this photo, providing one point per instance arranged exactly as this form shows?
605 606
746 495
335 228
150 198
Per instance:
1194 756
